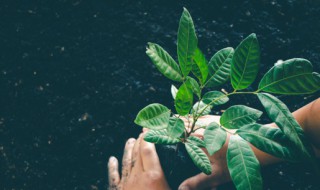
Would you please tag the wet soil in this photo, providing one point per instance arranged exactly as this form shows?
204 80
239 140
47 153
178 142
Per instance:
74 74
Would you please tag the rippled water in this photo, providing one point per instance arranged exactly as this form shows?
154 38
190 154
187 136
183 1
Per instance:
74 74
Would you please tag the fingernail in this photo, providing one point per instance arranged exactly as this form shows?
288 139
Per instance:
112 159
183 188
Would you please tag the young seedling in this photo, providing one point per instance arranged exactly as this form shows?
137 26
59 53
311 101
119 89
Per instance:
240 66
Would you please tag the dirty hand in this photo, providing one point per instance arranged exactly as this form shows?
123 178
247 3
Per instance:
141 168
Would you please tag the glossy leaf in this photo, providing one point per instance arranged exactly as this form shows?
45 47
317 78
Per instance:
201 108
164 62
175 127
174 91
200 66
194 86
196 141
245 63
187 42
239 115
199 158
292 77
160 137
184 100
270 140
243 165
281 115
219 67
214 137
215 98
154 116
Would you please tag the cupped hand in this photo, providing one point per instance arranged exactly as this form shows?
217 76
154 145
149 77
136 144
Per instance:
141 169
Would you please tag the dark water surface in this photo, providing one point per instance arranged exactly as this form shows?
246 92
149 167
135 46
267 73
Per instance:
73 75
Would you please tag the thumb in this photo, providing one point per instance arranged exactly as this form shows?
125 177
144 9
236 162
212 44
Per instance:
197 182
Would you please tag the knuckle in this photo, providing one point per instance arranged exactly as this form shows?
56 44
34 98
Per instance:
147 151
153 175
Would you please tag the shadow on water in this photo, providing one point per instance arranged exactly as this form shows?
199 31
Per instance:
74 74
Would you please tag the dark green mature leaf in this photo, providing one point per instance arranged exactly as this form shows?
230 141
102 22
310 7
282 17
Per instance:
184 100
175 127
239 115
201 108
245 63
200 66
160 137
215 98
194 86
174 91
281 115
214 137
219 67
292 77
187 42
243 165
199 158
196 141
270 140
154 116
164 62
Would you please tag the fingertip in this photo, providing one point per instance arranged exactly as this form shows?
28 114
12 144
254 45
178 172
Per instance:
112 159
131 141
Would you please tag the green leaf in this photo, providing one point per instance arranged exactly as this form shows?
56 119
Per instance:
164 62
243 165
184 100
214 137
175 127
219 67
281 115
154 116
215 98
200 66
270 140
196 141
292 77
187 42
245 63
199 158
194 86
160 137
201 108
174 91
237 116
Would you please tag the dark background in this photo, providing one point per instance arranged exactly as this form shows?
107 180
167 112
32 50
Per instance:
73 75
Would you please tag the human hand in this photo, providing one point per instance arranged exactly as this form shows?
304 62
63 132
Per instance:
141 168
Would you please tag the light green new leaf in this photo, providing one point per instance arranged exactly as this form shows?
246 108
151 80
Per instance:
201 108
292 77
196 141
200 66
194 86
214 137
219 67
245 63
160 137
164 62
243 165
154 116
174 91
281 115
199 158
239 115
215 98
187 42
175 127
184 100
270 140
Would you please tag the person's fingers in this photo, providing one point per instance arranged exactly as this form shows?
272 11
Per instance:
145 130
126 159
149 156
113 173
136 158
198 182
